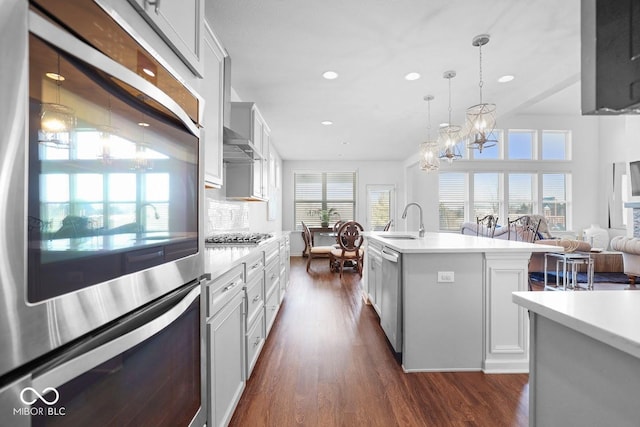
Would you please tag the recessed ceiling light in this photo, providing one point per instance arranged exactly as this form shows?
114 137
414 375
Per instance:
327 122
345 143
330 75
144 124
506 78
412 76
55 76
444 124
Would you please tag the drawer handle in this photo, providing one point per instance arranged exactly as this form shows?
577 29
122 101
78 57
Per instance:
155 3
231 286
254 266
273 276
255 344
257 298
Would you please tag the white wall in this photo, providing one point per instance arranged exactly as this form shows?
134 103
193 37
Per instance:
368 173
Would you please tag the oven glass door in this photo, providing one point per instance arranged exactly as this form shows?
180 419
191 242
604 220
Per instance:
156 382
112 172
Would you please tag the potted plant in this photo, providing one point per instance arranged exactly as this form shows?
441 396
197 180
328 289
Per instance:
325 216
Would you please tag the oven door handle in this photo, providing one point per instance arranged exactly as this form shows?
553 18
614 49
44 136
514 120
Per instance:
85 361
65 41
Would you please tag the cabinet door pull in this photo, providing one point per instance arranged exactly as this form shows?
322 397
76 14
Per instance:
256 298
155 3
231 286
255 344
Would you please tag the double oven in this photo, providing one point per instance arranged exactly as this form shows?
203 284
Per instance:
100 233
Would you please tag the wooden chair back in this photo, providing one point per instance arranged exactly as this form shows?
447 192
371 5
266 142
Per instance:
523 229
387 226
486 225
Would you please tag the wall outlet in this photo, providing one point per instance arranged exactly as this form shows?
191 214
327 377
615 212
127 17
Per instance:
446 276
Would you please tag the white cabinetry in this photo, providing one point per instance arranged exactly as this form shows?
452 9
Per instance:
272 284
249 180
255 328
225 345
181 26
214 55
374 274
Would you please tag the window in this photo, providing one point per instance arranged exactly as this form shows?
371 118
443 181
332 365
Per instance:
380 205
521 144
554 200
521 194
487 194
490 153
330 192
453 193
555 145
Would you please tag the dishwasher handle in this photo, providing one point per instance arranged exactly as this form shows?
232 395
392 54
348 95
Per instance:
390 256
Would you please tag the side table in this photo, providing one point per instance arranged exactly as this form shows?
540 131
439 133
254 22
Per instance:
570 261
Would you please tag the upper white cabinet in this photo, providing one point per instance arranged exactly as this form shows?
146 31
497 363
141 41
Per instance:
180 24
214 55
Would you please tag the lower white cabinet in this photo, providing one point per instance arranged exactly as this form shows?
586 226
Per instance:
374 275
254 341
225 352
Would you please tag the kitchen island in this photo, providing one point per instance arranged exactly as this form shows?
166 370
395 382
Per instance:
585 357
455 306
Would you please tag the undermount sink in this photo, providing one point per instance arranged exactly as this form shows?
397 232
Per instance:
400 237
162 237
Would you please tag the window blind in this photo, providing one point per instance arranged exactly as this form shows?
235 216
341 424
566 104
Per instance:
452 190
318 191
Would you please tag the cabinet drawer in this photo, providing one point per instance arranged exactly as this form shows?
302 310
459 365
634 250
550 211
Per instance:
254 342
271 308
255 299
222 289
271 278
254 267
271 254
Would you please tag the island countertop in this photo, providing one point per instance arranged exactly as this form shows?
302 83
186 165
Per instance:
409 242
607 316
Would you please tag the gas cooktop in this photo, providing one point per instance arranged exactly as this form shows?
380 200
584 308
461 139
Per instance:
236 238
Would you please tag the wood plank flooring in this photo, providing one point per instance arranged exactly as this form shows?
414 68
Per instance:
327 362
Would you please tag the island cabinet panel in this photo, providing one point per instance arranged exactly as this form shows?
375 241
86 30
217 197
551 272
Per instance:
506 346
442 322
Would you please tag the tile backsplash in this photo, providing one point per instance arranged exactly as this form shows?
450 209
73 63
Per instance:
227 216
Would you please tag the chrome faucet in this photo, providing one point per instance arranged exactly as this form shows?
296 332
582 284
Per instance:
404 216
155 214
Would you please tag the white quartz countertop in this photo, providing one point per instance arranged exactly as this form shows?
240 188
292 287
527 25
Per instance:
611 317
453 242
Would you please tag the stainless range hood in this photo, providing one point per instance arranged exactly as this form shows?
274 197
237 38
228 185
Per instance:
237 148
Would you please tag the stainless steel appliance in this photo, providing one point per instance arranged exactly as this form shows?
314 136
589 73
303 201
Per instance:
391 298
100 191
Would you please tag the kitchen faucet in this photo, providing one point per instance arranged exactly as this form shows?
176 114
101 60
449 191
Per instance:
404 216
155 214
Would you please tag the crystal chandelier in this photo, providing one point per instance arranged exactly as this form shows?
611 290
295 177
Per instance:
449 134
429 160
481 119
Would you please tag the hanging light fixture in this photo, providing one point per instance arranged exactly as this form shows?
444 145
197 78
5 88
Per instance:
142 162
429 160
56 120
450 134
481 119
106 132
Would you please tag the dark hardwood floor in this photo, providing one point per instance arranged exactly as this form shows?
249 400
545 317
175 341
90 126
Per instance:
326 362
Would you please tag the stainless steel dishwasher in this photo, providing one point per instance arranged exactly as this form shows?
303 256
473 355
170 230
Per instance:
391 304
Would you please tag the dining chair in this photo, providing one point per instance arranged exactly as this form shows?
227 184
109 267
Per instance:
486 226
523 229
336 227
350 239
315 251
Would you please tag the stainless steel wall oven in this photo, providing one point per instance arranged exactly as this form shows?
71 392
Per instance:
100 194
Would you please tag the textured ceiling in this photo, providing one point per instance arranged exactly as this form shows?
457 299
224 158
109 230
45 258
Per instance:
280 48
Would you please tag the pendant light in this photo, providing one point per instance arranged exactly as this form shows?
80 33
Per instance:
106 132
429 160
481 119
56 120
450 134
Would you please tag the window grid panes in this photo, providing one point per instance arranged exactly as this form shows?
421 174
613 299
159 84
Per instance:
555 145
487 194
453 193
521 194
324 196
554 200
521 144
379 206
